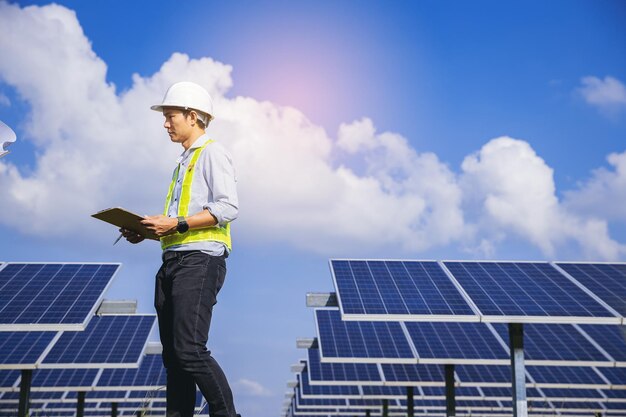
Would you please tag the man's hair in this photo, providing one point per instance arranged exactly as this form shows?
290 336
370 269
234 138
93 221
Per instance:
186 113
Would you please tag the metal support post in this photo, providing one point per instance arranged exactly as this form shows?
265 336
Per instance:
450 396
410 405
80 404
367 413
518 375
113 409
24 404
385 408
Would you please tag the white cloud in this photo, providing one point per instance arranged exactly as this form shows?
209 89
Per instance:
252 388
608 94
604 194
513 190
99 148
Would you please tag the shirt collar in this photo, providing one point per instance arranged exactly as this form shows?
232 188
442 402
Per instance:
198 143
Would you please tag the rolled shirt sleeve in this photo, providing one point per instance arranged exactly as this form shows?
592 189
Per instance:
220 176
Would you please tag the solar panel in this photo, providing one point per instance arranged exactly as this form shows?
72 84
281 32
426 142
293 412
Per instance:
8 379
456 343
55 296
567 377
399 374
63 379
361 341
341 373
557 344
327 391
459 392
607 281
150 375
23 350
484 375
611 339
318 402
397 290
527 292
615 376
108 341
380 392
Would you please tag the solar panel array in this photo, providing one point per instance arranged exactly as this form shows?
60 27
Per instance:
47 321
486 291
108 340
399 321
464 342
51 296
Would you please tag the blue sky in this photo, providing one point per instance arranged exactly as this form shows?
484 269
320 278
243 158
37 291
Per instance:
426 130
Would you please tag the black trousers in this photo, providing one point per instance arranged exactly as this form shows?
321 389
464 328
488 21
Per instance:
186 291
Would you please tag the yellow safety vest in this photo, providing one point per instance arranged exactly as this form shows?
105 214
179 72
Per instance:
213 233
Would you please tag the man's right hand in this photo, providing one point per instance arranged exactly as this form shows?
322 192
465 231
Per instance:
131 236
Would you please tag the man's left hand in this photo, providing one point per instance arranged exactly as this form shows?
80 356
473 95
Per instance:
161 225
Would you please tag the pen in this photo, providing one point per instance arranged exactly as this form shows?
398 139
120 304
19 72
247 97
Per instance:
118 239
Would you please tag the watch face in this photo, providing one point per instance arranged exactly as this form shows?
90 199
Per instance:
183 226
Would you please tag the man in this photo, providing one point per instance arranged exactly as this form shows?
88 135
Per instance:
195 236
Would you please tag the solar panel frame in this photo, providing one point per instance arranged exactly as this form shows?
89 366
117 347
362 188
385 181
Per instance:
361 341
440 343
121 352
25 350
612 296
350 310
341 373
325 391
149 376
80 320
609 339
557 344
63 379
560 286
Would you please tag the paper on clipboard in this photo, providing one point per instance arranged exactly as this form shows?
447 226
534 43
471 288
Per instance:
123 218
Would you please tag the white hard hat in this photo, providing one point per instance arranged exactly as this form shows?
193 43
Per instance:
188 95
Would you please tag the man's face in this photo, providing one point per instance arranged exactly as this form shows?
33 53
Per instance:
178 125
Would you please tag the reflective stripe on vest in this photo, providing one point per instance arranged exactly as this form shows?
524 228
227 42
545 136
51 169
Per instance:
214 233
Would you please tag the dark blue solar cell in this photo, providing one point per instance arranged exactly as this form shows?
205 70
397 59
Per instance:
580 394
397 288
316 402
523 289
329 391
565 375
64 377
32 294
151 373
616 376
375 391
458 341
477 374
23 348
8 378
607 281
610 338
106 340
73 395
458 392
554 343
345 372
156 393
361 339
413 373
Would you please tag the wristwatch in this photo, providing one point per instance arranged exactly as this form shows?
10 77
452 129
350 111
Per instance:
182 225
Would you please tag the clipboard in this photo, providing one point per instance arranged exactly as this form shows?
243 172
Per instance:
128 220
